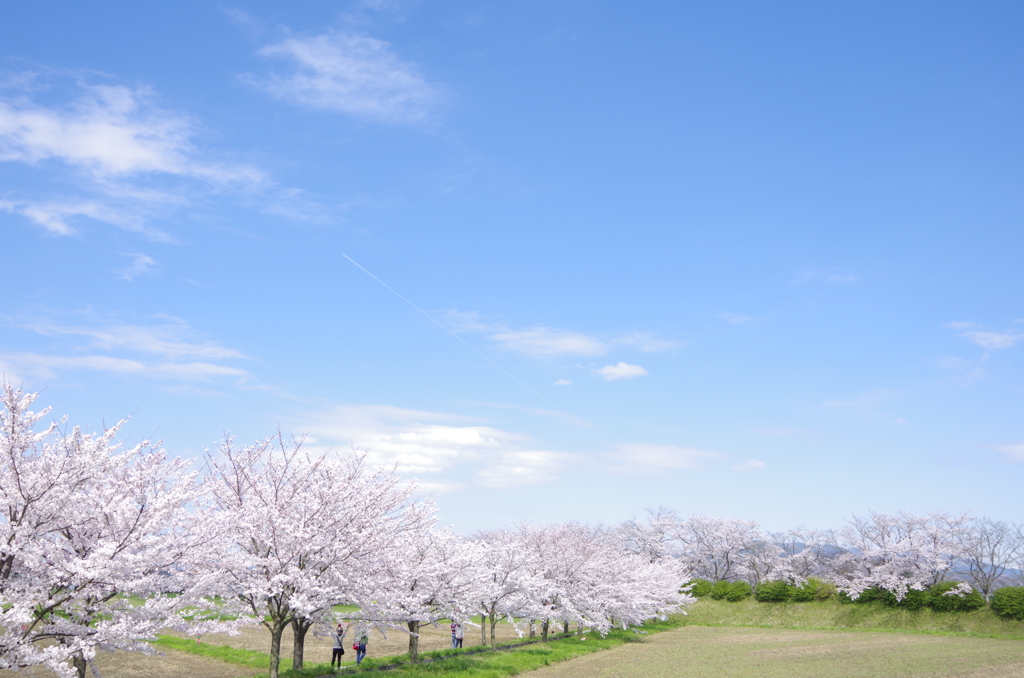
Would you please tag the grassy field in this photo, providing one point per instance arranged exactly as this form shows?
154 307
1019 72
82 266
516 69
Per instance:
832 614
738 652
717 638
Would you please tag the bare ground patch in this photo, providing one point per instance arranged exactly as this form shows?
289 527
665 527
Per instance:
167 664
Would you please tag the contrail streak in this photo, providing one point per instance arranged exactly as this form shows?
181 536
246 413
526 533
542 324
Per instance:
431 319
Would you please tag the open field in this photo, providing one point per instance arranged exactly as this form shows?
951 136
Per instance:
702 651
717 638
832 614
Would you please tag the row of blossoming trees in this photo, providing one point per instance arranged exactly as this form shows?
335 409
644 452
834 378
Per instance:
102 547
896 553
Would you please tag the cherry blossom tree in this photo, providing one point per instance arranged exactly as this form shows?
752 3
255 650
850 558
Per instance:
897 552
84 525
510 578
989 549
306 532
433 575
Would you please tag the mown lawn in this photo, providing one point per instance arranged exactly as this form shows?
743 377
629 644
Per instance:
747 652
831 614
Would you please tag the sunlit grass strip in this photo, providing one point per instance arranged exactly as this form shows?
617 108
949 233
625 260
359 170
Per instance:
224 653
479 662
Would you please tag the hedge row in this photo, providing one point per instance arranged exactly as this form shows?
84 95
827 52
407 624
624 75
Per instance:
1007 601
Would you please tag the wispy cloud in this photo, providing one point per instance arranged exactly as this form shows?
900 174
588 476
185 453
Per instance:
620 371
563 382
129 162
349 73
433 442
110 131
141 265
1013 454
643 458
165 351
544 341
987 339
47 366
749 465
646 342
172 338
735 318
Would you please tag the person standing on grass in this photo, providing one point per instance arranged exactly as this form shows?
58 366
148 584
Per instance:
339 644
360 646
456 634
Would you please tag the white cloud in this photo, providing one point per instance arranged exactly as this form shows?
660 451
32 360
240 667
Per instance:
522 467
140 265
1013 454
433 442
620 371
647 342
640 457
58 217
350 73
985 338
169 340
735 318
46 366
749 465
110 131
547 341
563 382
993 340
177 356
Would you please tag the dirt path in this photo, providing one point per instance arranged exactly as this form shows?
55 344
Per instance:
729 652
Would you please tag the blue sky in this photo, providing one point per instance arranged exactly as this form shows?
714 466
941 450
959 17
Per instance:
758 260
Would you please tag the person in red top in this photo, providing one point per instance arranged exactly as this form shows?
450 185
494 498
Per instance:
456 634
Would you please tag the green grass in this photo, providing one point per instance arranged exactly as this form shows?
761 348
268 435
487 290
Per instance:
457 663
500 663
832 614
224 653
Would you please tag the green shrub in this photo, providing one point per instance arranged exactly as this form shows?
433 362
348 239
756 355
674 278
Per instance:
913 600
738 590
700 588
942 603
733 591
774 592
719 590
814 589
1009 602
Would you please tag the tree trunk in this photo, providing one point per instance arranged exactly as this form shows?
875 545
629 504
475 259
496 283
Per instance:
483 629
533 628
565 628
494 622
276 631
579 628
414 641
299 627
79 662
544 629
